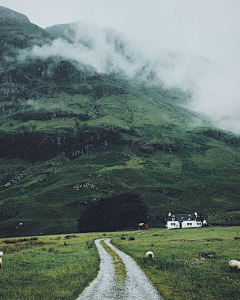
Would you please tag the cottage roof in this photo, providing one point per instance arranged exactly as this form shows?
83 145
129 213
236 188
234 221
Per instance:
182 217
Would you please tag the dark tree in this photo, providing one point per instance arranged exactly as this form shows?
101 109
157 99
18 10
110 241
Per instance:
113 213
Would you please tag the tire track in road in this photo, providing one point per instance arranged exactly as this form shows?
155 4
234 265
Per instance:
106 286
103 286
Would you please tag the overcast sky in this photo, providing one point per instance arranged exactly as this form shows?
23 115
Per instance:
209 28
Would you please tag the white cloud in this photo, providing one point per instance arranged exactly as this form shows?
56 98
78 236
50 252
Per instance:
218 95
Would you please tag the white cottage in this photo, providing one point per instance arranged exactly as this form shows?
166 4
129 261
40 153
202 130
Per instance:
179 221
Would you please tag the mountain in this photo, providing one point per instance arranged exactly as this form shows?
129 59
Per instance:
93 139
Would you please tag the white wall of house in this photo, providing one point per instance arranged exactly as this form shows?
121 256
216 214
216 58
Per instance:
189 224
185 224
173 224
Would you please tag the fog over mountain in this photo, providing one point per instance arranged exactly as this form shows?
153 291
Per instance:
214 88
207 29
109 51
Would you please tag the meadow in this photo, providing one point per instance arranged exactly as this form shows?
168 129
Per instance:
188 263
47 267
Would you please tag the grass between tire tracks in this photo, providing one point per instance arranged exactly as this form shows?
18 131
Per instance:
120 271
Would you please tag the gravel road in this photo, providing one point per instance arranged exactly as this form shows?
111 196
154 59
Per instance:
106 287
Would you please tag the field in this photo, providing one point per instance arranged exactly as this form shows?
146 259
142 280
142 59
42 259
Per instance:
188 264
49 267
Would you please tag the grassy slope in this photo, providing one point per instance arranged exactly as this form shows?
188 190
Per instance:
158 148
135 139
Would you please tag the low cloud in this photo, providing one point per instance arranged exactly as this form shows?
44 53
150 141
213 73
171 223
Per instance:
103 49
108 51
217 94
215 88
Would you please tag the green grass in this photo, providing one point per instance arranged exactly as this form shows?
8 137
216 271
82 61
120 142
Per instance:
120 271
45 200
49 267
188 263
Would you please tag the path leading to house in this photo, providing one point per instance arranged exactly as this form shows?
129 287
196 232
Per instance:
116 283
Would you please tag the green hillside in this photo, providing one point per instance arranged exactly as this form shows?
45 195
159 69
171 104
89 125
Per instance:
82 150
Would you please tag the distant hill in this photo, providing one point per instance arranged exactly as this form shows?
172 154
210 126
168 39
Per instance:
90 140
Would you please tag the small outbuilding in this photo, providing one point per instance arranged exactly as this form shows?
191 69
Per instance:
180 221
143 226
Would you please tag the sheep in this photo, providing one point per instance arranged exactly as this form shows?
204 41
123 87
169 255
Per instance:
1 253
0 262
234 265
149 255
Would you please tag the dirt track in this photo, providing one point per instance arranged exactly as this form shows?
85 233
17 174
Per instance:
136 285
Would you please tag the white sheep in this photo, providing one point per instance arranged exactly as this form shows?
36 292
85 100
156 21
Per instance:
149 255
0 262
234 265
1 253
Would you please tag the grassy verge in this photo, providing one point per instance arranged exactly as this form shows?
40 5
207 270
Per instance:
189 263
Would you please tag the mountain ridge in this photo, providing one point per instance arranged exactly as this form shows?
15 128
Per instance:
11 17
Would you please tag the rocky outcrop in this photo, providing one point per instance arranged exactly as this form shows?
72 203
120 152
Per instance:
220 135
36 146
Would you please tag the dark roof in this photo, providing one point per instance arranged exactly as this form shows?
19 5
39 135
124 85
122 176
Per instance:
182 217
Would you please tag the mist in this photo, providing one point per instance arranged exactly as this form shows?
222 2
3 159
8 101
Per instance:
217 94
214 86
110 52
